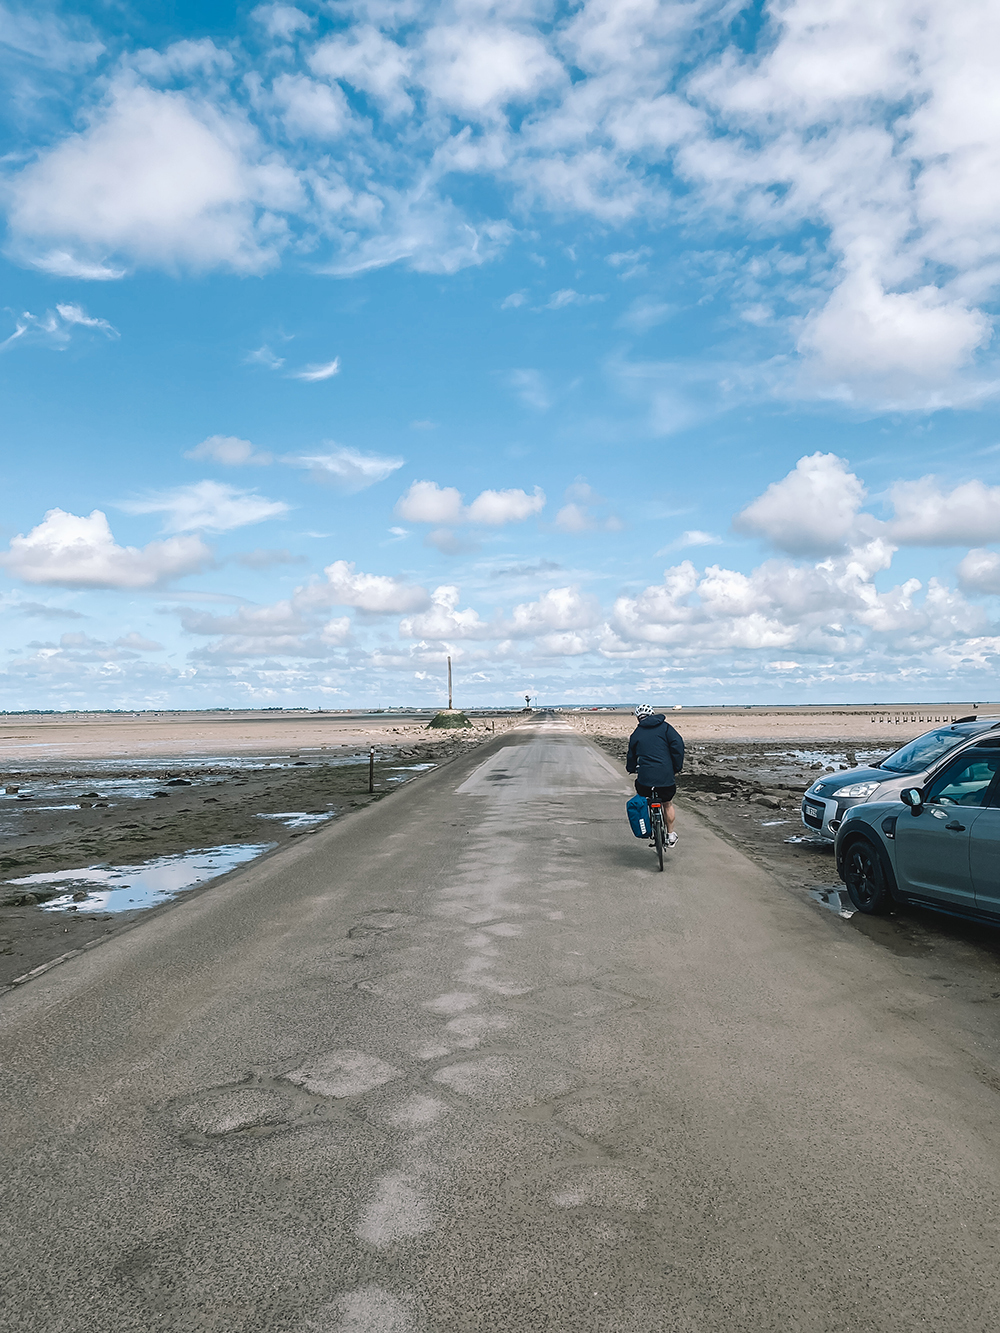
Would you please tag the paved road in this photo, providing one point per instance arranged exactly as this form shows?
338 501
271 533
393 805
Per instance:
466 1062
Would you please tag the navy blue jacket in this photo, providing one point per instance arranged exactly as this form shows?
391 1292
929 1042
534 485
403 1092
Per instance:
655 752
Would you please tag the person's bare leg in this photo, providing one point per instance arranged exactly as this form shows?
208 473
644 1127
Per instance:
669 813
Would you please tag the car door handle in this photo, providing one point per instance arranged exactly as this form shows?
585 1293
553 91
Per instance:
955 826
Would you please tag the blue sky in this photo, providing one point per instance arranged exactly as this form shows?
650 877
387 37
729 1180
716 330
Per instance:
619 350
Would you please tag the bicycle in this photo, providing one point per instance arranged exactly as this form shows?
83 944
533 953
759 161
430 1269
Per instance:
657 826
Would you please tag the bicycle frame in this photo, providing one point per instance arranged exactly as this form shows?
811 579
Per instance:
658 827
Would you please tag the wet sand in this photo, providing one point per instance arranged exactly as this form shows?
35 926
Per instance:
121 793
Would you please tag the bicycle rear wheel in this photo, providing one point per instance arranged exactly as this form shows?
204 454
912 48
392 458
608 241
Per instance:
658 837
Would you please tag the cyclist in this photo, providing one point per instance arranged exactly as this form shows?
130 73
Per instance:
656 756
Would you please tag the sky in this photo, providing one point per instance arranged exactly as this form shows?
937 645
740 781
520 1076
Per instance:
623 351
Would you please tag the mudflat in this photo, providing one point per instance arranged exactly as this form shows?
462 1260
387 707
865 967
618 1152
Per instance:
143 793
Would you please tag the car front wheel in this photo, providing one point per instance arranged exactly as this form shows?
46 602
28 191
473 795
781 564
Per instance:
866 879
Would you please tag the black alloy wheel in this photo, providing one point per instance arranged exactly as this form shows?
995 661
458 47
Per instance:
865 879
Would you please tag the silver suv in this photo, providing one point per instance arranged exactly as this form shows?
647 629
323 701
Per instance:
831 796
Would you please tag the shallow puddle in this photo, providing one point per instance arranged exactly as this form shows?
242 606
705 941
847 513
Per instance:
834 897
301 818
125 888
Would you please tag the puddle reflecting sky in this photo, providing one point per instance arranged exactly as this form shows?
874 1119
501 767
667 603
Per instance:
834 897
125 888
301 818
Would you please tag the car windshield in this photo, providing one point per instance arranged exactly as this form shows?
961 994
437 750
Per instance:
924 751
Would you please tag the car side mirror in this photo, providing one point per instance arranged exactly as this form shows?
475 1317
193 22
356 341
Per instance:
913 797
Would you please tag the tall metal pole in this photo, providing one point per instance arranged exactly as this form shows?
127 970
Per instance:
371 770
449 684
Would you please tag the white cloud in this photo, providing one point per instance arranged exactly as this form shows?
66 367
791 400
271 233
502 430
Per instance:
926 515
899 343
557 609
230 451
812 511
156 178
369 61
70 551
347 469
209 506
309 109
696 537
263 356
979 571
182 58
62 264
312 374
513 301
443 620
426 502
496 508
477 68
282 21
832 607
561 299
55 328
374 594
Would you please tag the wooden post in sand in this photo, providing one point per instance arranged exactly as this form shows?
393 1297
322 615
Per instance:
371 770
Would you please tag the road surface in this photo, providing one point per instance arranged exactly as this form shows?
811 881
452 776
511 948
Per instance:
465 1061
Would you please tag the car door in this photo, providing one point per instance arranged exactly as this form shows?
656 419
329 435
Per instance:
984 853
933 846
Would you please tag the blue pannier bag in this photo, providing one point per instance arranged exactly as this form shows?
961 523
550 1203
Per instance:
638 816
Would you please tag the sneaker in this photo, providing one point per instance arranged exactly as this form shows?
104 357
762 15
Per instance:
671 839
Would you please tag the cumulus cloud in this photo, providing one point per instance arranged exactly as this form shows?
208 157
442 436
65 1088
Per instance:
282 21
155 177
426 502
479 68
979 571
833 607
70 551
927 515
373 594
230 451
207 506
899 342
443 620
812 511
347 469
558 609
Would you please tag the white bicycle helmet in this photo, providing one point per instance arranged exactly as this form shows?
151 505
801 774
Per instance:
644 710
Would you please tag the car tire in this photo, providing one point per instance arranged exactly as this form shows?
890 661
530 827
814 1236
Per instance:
866 879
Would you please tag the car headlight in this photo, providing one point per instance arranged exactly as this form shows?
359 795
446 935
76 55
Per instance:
859 789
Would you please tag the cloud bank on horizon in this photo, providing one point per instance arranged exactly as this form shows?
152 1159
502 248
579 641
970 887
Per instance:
508 305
